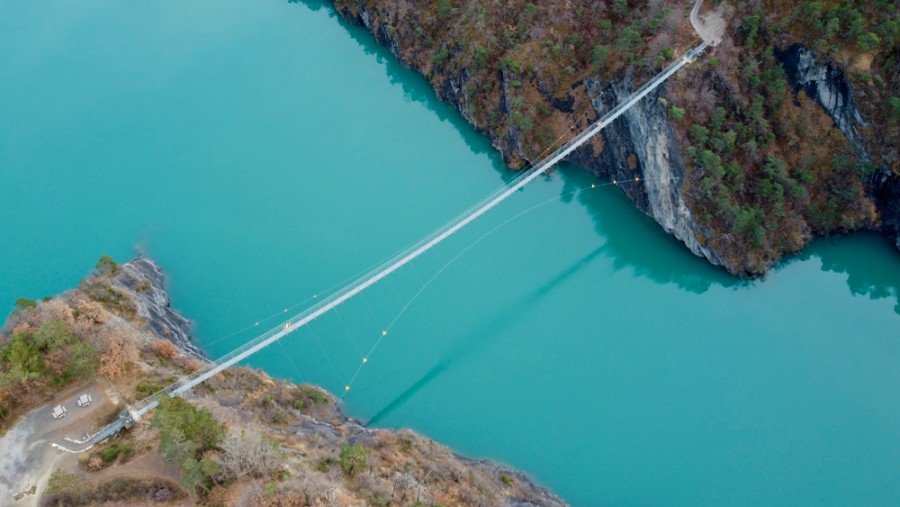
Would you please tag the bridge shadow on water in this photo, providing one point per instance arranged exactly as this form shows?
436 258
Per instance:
486 331
633 240
658 256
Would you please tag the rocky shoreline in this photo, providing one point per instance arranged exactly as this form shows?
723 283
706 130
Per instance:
307 423
644 142
143 280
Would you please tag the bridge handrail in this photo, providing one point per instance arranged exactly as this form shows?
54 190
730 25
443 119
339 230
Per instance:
395 262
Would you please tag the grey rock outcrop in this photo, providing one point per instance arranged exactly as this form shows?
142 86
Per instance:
144 282
641 143
887 197
827 84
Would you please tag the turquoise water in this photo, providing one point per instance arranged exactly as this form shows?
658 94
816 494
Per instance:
263 151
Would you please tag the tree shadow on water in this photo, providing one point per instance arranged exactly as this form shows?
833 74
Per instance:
415 87
871 263
635 241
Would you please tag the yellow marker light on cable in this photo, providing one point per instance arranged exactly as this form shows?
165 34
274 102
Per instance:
593 186
346 388
365 359
615 182
384 333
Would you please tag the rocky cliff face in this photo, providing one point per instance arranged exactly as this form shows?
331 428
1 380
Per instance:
742 218
887 193
406 465
283 444
143 280
640 145
827 84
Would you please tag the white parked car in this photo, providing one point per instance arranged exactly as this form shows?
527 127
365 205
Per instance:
84 400
59 412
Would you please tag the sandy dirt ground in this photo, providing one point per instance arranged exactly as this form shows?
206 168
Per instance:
28 457
710 24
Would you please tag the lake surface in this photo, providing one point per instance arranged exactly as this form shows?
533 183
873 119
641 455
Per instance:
263 151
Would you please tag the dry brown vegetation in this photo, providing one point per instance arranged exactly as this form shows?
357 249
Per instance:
339 463
68 490
762 180
767 167
517 69
242 438
118 349
165 349
49 345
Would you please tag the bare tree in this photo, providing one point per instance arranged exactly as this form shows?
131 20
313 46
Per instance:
116 343
403 483
248 452
165 349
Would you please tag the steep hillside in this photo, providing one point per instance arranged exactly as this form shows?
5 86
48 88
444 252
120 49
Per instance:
785 131
242 438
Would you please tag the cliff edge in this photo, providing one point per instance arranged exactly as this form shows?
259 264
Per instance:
786 130
241 438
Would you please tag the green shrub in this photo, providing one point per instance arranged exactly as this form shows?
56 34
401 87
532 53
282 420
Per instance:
480 55
445 8
107 266
893 109
25 304
868 42
440 56
53 334
353 458
699 134
750 30
25 361
509 63
324 464
110 454
185 433
149 387
600 56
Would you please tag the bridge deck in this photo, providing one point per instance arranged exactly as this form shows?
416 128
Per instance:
419 248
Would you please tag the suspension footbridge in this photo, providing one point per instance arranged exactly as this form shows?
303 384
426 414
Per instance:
139 409
418 249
